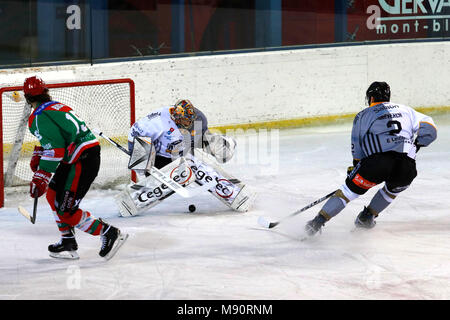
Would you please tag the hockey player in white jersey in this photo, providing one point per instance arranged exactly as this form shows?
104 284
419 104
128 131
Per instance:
385 139
185 150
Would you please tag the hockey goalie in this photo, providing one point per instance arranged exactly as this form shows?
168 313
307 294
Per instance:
174 143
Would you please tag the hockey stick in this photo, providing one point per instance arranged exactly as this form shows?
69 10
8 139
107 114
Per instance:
153 171
25 212
263 222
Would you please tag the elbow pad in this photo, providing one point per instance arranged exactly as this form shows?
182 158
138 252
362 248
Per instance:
426 135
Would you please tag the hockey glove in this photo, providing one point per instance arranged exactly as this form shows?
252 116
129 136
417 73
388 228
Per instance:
418 146
37 153
39 183
351 168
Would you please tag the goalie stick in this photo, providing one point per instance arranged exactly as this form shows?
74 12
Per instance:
25 212
153 171
263 222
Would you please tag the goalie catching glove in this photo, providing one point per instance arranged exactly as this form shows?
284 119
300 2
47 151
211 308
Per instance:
351 168
219 146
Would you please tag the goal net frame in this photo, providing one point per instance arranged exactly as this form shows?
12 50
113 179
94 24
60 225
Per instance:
126 81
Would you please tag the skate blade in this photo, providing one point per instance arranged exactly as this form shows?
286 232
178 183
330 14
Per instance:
119 242
361 227
309 237
68 255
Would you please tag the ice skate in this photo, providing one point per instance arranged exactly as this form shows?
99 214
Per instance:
66 248
365 219
112 240
315 225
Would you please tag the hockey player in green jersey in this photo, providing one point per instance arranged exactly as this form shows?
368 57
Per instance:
66 163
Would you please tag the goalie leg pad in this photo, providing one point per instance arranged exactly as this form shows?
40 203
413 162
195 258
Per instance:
244 200
229 190
148 192
126 204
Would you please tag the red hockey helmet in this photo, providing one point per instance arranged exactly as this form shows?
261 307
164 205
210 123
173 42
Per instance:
34 86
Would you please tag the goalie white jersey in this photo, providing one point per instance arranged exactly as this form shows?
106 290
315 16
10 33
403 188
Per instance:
166 136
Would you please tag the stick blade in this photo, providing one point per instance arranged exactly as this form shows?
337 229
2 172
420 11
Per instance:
25 213
273 224
263 222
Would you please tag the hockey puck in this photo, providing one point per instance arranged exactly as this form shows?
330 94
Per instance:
192 208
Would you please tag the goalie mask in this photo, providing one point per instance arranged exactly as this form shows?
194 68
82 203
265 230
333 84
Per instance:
183 114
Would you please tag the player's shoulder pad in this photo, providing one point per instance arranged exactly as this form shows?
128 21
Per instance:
358 116
200 114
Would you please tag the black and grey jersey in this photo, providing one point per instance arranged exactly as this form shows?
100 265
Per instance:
389 126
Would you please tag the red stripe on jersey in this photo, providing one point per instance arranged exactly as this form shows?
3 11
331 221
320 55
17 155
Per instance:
30 120
76 178
78 152
55 106
53 153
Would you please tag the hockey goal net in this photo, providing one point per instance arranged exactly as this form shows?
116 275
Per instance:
107 105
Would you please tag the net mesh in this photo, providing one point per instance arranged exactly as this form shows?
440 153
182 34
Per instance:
103 106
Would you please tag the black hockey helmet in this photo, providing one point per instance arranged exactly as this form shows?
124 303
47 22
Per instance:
379 91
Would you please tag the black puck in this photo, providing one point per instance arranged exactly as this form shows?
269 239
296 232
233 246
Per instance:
192 208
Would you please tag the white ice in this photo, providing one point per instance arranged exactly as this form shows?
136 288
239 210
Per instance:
215 253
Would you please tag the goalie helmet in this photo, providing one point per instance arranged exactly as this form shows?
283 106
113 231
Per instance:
379 91
183 113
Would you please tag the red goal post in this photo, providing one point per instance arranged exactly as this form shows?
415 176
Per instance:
108 105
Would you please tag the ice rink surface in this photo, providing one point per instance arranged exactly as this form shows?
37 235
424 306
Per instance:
215 253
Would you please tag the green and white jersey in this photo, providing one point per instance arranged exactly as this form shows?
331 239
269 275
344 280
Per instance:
61 133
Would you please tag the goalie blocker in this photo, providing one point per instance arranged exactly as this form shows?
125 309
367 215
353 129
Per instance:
142 157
